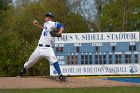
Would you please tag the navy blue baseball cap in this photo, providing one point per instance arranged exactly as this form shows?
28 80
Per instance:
49 15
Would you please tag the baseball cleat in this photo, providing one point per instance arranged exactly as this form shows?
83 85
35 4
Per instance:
62 78
23 72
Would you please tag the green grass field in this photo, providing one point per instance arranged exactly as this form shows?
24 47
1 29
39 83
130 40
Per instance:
75 90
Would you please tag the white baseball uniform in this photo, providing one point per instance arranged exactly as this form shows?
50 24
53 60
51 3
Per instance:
44 47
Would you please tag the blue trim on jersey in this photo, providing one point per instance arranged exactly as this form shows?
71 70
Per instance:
59 25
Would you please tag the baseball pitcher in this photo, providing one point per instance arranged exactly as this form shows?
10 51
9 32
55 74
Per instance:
45 44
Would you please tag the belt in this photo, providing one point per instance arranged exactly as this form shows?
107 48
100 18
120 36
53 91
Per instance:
41 45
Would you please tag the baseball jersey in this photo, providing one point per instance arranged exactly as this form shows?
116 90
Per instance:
46 38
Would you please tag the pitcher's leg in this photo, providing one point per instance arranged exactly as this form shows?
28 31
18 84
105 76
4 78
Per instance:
57 68
54 61
50 55
31 61
52 58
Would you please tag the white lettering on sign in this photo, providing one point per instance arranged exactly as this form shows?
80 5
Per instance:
60 57
98 37
96 44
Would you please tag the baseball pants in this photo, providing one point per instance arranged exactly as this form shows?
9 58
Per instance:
46 52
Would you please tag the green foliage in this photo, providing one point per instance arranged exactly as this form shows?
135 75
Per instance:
121 15
18 37
4 5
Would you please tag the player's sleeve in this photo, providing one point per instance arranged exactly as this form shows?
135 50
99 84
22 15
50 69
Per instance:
44 25
58 25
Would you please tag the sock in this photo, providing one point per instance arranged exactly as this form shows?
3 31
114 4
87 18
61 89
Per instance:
57 68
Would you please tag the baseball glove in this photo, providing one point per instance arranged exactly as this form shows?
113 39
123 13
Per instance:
54 33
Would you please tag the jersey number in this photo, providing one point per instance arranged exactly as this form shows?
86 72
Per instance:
45 33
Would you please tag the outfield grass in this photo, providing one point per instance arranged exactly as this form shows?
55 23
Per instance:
75 90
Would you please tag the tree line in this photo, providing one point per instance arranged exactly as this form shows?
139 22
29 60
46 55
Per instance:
109 15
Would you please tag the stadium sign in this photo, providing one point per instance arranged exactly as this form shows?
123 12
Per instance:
98 37
97 69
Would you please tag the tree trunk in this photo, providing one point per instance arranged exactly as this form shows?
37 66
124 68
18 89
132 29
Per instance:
98 7
124 15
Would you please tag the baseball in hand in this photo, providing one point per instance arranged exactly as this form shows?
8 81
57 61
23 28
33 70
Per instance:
35 22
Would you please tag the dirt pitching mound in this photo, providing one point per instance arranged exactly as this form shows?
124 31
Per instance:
45 82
